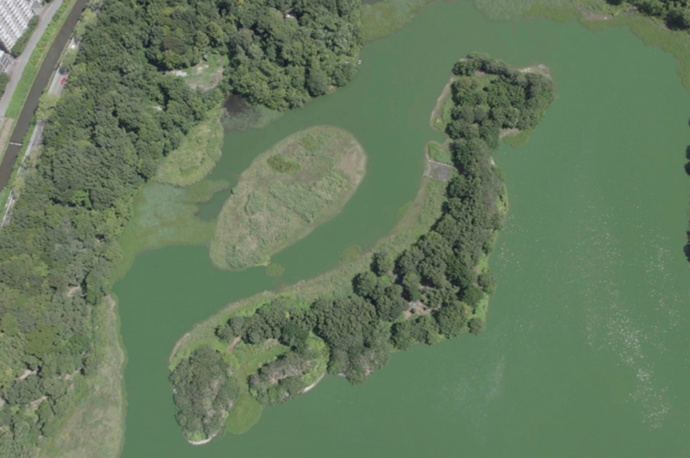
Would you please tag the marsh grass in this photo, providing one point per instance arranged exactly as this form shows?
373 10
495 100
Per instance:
285 193
166 215
557 10
383 18
652 31
198 153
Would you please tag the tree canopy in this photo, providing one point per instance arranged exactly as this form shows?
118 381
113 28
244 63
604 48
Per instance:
121 112
434 288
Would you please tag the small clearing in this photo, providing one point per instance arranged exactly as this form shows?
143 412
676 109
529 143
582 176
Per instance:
437 170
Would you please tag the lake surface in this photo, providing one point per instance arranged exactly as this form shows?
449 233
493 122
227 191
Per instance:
585 353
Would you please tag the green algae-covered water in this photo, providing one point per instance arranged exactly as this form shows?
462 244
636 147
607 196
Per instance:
585 352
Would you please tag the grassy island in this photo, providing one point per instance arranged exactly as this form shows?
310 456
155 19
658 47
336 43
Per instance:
301 182
425 282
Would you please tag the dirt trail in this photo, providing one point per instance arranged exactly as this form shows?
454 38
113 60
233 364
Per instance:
232 345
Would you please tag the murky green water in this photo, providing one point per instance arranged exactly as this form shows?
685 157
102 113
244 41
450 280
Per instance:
585 352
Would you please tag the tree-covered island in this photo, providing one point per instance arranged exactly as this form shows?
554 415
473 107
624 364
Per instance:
346 323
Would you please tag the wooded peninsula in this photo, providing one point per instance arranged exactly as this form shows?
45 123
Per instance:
273 349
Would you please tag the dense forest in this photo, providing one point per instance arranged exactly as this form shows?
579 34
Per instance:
434 288
203 392
675 13
120 113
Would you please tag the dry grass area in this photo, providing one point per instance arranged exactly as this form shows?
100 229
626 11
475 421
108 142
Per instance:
95 428
300 183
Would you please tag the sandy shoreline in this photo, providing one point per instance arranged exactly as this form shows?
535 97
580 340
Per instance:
202 442
310 387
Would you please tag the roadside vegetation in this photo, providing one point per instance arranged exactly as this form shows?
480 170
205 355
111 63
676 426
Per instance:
59 252
4 79
289 190
432 286
21 92
21 42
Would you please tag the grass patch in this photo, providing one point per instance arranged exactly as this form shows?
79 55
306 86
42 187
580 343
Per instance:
439 152
385 17
244 414
207 74
285 193
517 139
198 153
95 427
21 42
21 92
274 270
440 115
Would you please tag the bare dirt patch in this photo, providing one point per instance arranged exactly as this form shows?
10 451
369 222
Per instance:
438 171
234 343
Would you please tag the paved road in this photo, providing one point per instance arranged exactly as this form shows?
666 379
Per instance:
17 68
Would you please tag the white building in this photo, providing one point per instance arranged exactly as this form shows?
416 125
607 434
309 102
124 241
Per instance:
14 17
5 61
